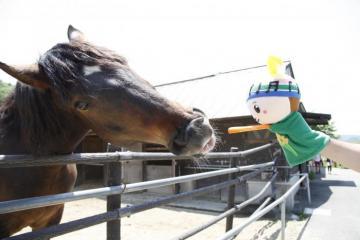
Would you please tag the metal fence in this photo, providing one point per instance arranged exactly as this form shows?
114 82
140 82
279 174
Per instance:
115 189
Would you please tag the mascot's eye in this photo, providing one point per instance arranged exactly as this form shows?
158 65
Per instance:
257 108
83 106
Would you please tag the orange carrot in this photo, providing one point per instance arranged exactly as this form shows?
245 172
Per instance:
232 130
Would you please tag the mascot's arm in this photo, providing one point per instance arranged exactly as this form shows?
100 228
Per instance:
347 154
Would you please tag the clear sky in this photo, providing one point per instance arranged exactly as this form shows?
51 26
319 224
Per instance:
167 40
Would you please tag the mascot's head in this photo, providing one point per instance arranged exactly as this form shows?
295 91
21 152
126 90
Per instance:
271 101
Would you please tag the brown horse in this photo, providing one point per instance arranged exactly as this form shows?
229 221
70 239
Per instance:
73 88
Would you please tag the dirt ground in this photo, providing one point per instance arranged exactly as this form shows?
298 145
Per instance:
169 222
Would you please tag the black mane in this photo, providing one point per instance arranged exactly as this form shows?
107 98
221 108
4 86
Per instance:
30 113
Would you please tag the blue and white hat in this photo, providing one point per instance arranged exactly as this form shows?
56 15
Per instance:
276 87
279 85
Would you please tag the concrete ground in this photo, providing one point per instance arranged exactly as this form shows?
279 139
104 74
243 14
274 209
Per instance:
335 210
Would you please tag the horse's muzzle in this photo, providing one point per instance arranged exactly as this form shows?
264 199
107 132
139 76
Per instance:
196 138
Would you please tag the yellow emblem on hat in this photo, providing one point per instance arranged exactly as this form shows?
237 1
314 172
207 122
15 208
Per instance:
274 64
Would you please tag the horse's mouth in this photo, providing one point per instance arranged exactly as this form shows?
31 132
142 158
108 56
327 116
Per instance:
209 145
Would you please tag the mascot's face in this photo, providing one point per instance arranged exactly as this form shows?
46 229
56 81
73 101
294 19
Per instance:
269 110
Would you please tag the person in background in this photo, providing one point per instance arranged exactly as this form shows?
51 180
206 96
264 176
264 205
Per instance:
317 160
329 165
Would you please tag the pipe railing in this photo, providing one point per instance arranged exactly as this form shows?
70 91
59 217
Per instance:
229 212
128 211
35 202
266 201
255 216
12 161
116 213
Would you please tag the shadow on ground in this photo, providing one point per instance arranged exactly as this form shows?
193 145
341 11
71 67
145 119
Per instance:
320 193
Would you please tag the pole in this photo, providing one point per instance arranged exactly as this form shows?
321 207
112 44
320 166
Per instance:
231 192
308 188
113 228
283 220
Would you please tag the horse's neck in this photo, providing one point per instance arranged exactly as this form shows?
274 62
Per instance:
36 125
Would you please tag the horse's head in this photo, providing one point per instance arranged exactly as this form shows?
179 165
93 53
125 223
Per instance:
99 87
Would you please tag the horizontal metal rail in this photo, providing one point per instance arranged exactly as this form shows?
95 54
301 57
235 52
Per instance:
71 226
206 168
35 202
11 161
235 231
227 213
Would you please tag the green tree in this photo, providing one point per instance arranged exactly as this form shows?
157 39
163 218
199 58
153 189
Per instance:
5 89
328 129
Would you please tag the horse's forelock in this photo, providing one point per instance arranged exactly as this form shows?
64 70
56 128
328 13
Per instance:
64 65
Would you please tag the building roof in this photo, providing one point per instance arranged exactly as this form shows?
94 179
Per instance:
218 95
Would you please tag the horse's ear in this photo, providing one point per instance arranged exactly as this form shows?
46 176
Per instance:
29 74
75 34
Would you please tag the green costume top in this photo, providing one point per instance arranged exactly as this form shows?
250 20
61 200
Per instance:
299 142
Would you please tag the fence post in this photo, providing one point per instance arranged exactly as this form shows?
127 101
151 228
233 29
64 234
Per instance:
283 220
308 188
113 228
231 191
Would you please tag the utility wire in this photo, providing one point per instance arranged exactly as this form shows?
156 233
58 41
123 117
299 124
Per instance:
211 75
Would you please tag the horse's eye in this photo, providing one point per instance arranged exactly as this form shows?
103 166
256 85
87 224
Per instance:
257 108
83 106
